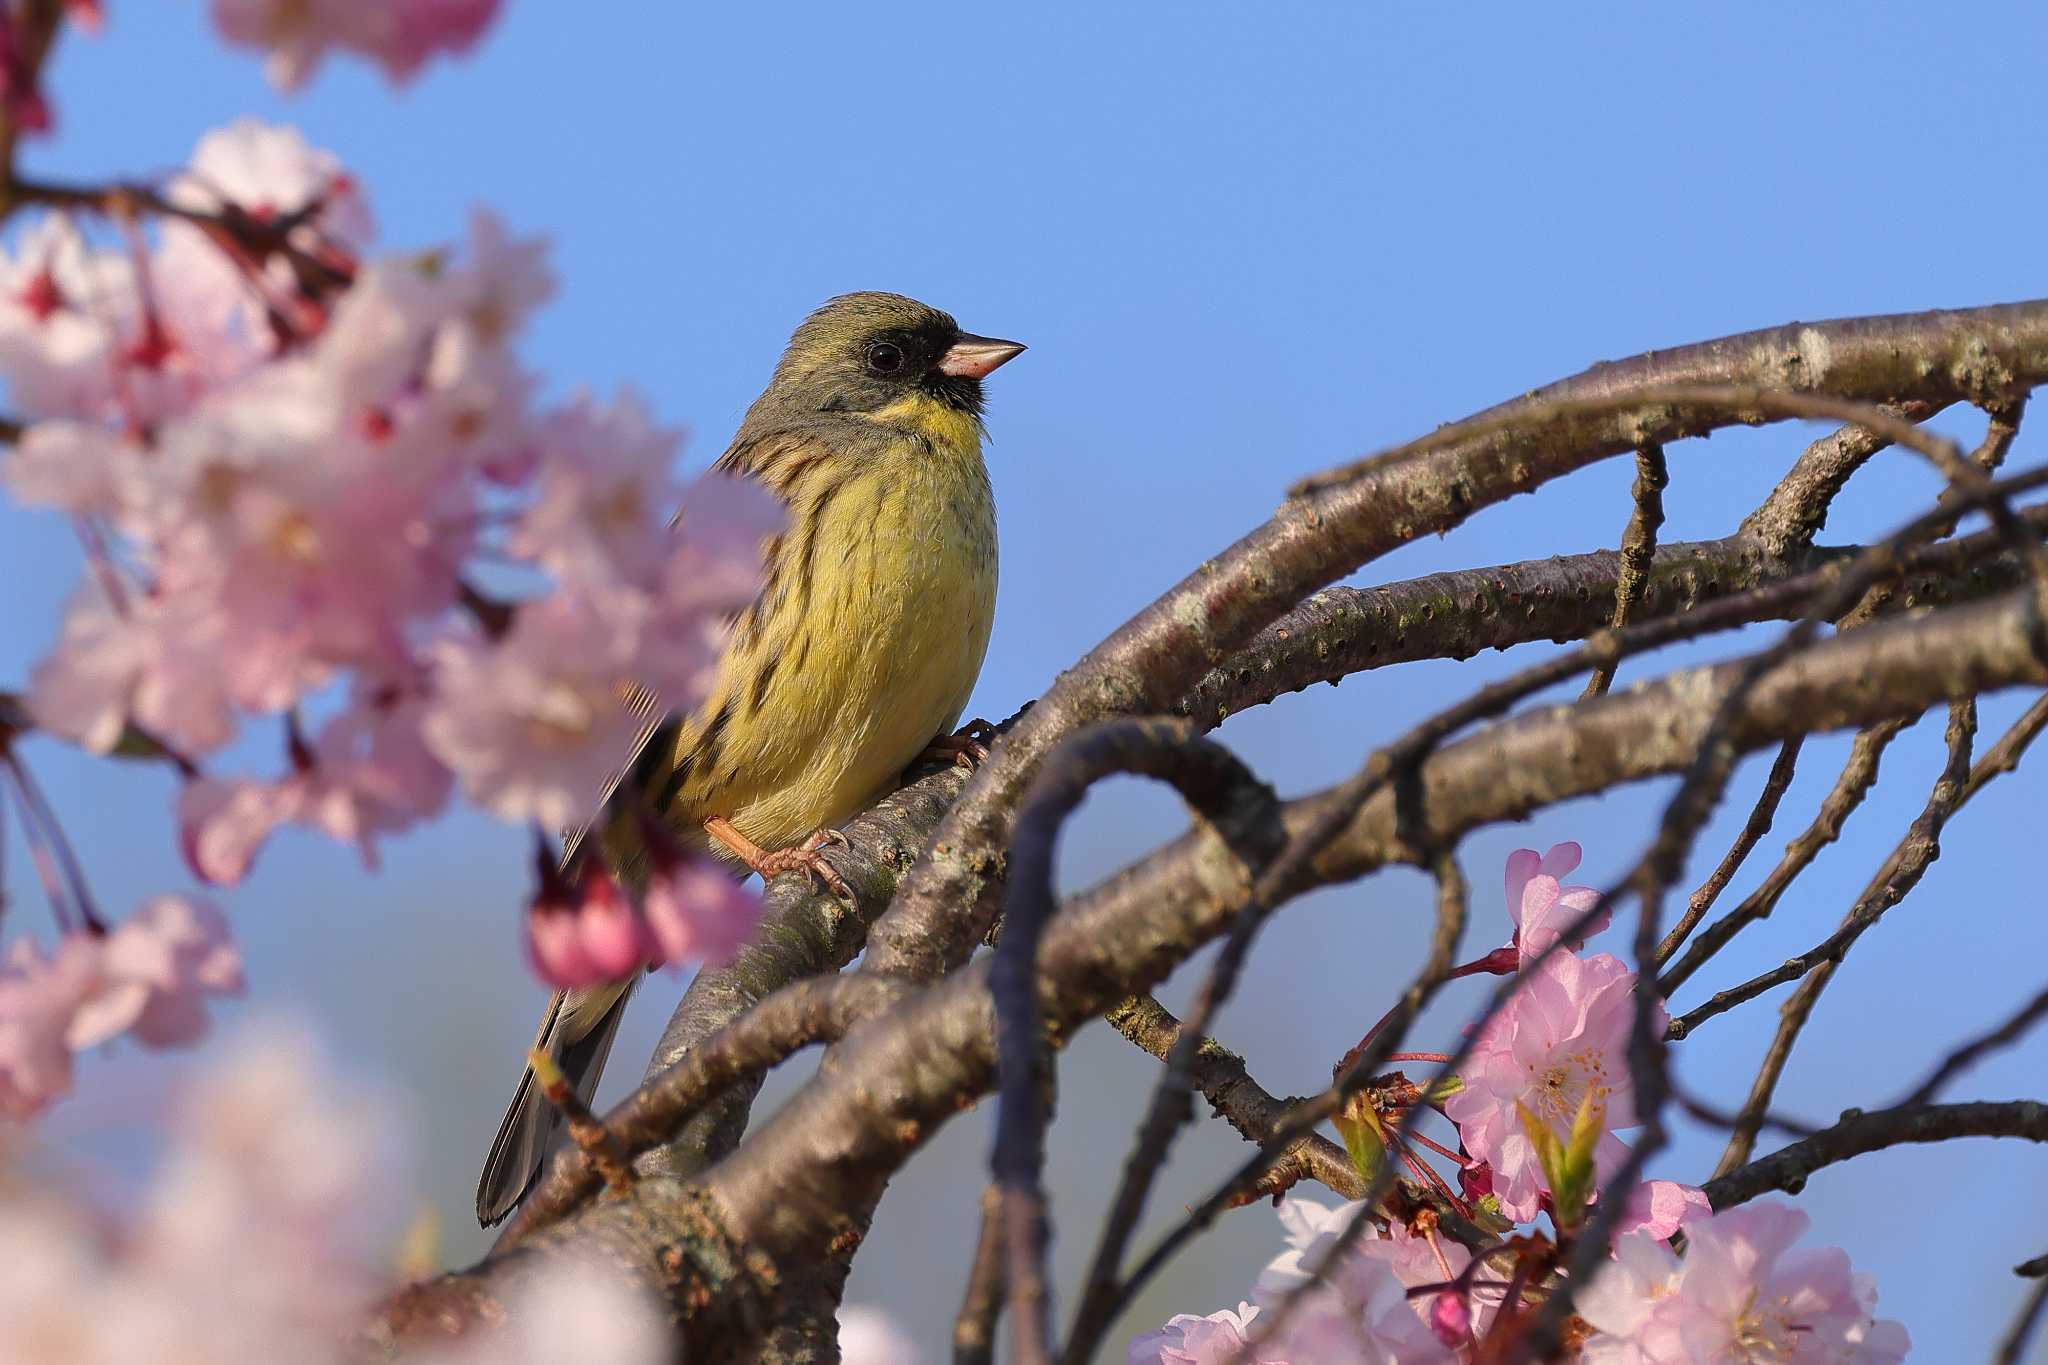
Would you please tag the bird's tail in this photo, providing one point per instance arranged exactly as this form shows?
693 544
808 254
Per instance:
576 1032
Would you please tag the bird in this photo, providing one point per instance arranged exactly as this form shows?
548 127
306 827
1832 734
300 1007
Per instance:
857 654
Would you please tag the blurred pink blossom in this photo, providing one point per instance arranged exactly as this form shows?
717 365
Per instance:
39 997
697 912
366 774
397 34
1215 1340
580 936
153 662
606 491
534 723
1740 1293
155 971
1659 1208
257 1239
1562 1038
1360 1281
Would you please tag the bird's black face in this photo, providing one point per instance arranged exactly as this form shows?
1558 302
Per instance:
869 352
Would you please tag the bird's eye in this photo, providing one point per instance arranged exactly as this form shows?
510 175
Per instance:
884 357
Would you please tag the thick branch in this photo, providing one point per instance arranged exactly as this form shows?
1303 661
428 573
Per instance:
897 1078
1333 527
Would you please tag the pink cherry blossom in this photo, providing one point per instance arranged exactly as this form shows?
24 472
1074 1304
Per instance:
1218 1339
713 571
1741 1292
152 662
154 974
607 489
39 997
697 912
257 1239
58 298
1311 1230
262 172
398 34
1561 1039
367 774
1542 908
268 170
76 467
582 936
533 724
1659 1208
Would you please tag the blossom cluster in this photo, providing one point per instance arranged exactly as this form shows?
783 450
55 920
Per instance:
264 1234
1537 1103
268 1230
312 482
397 34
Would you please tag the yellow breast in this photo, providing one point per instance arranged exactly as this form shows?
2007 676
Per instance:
869 640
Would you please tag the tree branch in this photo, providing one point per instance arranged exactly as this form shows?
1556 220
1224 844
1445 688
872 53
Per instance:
1333 525
1858 1134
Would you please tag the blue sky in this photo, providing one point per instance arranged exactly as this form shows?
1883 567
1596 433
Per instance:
1243 243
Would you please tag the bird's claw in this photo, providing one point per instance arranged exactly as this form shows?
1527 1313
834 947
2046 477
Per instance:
809 858
966 747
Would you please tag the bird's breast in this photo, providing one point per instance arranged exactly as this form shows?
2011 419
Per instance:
870 638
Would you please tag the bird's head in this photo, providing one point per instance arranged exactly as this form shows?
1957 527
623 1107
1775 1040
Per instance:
883 354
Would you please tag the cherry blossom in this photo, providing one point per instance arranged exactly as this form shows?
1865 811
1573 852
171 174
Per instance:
257 1238
1659 1208
1741 1292
1542 908
583 935
58 298
149 978
1218 1339
606 491
152 662
1561 1042
367 774
154 973
534 723
698 912
39 997
398 34
1311 1230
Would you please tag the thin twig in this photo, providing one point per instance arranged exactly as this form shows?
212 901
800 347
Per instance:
1453 909
1861 1132
974 1329
1857 777
814 1010
1241 810
1962 1058
1901 873
1222 1078
1798 507
592 1138
1754 829
1638 547
2013 1349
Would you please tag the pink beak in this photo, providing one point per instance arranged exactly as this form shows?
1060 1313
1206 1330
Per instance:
973 357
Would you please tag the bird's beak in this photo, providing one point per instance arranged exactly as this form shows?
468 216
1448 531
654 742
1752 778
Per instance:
972 357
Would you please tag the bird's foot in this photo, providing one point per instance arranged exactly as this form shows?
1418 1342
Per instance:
966 747
807 857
